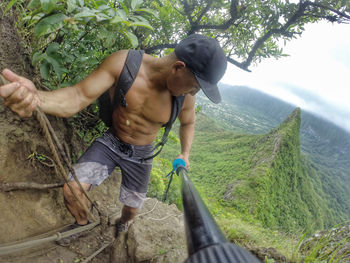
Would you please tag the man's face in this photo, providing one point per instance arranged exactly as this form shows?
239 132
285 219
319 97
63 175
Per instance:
183 82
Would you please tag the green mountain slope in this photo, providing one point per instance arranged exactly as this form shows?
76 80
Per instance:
327 146
260 177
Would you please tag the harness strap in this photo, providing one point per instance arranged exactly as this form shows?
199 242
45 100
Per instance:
167 129
127 77
171 174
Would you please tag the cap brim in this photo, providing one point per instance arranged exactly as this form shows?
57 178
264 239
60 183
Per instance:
210 90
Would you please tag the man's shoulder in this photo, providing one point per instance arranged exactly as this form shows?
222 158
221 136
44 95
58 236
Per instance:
115 62
119 54
118 57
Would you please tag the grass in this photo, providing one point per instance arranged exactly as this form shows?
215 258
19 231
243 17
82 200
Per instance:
330 246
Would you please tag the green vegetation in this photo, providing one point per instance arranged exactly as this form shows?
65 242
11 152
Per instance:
325 246
251 183
325 147
258 186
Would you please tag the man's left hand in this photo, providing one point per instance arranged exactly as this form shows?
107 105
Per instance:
186 159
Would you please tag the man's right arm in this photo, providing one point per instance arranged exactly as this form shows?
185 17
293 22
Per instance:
22 97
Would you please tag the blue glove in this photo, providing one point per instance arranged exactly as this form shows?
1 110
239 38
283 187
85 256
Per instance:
178 162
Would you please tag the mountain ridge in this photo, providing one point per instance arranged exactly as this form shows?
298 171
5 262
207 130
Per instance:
262 176
325 145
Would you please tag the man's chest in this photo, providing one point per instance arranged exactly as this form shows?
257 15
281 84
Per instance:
149 104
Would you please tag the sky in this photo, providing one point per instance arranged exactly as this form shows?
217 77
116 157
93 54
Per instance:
315 76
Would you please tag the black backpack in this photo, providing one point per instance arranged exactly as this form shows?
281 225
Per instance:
125 81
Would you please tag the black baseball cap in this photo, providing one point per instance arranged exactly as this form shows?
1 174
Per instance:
206 59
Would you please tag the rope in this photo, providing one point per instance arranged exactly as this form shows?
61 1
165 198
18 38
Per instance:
9 249
52 139
163 218
66 160
176 163
156 219
50 135
139 215
44 125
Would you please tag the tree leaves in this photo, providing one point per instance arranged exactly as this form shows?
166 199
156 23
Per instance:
86 28
148 11
248 30
45 70
49 24
132 38
142 24
34 4
73 4
50 59
48 5
136 3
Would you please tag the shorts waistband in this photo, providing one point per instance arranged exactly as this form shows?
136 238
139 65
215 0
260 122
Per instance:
129 150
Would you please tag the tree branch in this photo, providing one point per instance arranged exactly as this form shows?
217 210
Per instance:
342 14
150 50
283 30
233 13
238 64
233 9
188 11
204 11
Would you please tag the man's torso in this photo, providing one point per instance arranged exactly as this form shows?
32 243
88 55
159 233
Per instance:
148 108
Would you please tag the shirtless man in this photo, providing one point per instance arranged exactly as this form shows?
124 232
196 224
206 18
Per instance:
197 63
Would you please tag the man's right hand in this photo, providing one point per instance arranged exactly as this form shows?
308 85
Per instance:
20 94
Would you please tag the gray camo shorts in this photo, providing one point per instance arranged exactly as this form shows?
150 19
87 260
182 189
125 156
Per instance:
107 152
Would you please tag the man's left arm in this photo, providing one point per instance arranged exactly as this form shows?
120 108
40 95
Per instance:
187 119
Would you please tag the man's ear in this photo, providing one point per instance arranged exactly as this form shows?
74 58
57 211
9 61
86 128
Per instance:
178 65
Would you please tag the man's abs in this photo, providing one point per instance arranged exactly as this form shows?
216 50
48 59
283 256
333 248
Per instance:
140 121
133 129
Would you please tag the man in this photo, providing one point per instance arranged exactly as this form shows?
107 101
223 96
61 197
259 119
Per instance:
197 62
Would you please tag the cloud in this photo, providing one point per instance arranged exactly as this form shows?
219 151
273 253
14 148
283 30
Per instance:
320 106
314 77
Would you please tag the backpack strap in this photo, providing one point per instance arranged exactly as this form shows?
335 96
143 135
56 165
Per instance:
127 76
177 103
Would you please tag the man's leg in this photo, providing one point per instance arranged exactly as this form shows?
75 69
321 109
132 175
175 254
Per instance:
73 205
75 209
133 202
128 213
